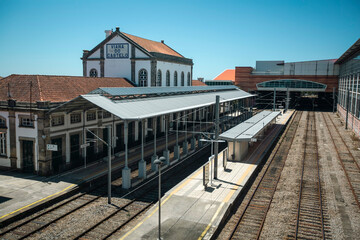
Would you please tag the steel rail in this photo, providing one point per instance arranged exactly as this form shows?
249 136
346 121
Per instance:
300 201
340 159
261 179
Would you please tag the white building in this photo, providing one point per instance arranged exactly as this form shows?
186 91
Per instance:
144 62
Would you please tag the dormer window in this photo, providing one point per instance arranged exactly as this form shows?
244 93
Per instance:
93 73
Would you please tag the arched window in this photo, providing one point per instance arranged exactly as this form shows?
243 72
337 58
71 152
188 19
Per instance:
168 78
93 73
158 79
143 77
182 79
188 79
175 79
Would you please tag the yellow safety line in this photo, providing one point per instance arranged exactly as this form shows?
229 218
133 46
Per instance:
212 220
37 201
162 203
232 191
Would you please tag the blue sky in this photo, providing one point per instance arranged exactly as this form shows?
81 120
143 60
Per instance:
47 37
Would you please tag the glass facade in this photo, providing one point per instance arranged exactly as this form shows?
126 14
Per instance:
349 85
291 83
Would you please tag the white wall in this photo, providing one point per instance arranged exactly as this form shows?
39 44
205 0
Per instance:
172 67
91 65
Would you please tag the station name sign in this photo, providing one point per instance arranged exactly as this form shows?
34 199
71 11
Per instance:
117 50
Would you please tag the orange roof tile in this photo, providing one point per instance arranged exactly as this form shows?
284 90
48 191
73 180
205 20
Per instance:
228 74
153 46
53 88
198 83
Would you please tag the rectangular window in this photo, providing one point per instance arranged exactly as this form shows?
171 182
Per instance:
26 122
2 143
90 116
57 120
106 114
2 123
75 118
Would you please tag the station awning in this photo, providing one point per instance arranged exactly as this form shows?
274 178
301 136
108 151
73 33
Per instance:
136 109
247 130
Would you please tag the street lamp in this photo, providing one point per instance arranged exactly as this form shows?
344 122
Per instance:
158 162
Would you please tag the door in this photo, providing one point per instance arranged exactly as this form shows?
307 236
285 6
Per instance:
90 150
105 138
57 157
120 137
28 156
75 150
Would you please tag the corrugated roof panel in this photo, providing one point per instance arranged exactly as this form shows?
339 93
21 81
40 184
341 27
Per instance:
250 128
158 90
151 107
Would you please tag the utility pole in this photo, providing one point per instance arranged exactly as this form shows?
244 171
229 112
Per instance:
347 108
274 108
216 135
333 99
109 163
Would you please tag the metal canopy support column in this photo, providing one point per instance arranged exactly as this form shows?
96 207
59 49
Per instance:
216 135
287 99
177 147
193 140
109 163
201 114
126 172
154 156
185 143
142 163
166 152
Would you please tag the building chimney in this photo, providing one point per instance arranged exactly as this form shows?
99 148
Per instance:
201 79
108 33
85 52
117 29
162 41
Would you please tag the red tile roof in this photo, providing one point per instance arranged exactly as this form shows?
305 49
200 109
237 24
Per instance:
228 74
198 83
153 46
53 88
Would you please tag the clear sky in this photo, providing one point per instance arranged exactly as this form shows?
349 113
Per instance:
48 36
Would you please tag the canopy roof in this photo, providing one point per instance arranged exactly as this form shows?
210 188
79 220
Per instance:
142 108
247 130
156 91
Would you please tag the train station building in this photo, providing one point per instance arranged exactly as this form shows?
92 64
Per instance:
143 62
28 131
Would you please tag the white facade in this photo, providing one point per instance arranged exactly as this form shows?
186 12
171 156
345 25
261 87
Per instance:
120 57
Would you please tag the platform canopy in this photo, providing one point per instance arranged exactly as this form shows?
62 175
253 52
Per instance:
247 130
142 108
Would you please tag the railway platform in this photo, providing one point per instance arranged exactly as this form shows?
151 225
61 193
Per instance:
191 211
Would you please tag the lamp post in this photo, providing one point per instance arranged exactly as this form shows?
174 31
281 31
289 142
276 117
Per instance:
158 162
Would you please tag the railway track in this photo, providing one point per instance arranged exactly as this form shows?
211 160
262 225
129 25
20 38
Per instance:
310 214
128 207
251 220
346 158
